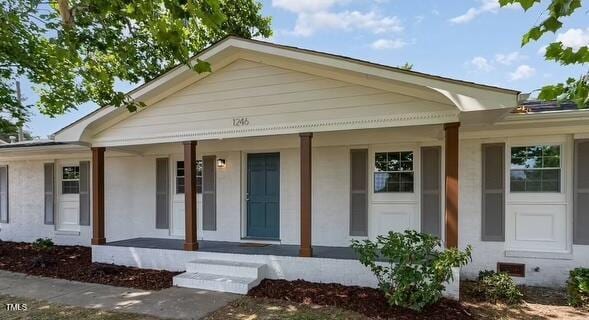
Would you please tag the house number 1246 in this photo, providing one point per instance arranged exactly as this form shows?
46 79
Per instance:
238 122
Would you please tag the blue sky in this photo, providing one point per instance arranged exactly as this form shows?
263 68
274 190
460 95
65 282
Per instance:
471 40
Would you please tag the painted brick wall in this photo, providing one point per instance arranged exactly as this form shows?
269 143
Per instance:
553 272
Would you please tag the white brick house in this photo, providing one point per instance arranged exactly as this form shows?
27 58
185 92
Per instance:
300 152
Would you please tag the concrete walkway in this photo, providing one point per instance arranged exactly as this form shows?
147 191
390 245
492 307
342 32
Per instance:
172 303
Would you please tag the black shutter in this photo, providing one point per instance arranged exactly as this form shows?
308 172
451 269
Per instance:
209 193
162 193
581 193
431 196
358 192
84 193
493 191
4 194
49 186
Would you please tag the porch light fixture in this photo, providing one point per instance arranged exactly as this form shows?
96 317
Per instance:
221 163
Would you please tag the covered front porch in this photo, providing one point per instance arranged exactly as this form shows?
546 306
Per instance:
320 191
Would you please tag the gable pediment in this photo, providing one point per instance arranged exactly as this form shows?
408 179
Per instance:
248 98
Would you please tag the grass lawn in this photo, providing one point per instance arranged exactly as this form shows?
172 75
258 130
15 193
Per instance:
249 308
39 310
540 303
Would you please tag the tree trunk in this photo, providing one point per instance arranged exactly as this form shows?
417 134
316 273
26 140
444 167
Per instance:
66 12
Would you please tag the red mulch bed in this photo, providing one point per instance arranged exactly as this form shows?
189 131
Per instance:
367 301
75 263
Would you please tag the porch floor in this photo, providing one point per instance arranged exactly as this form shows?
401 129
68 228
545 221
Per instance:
238 248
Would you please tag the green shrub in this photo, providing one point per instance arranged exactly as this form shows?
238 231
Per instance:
414 268
578 287
43 244
495 287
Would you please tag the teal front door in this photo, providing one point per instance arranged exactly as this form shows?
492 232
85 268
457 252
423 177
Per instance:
263 195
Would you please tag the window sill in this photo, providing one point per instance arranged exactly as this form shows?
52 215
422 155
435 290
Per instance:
555 255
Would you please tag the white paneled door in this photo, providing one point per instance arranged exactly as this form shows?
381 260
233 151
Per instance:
68 188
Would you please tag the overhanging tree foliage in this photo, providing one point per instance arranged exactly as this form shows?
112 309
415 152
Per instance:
573 89
75 51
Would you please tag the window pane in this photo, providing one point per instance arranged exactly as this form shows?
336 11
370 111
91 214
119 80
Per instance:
199 184
380 163
71 173
180 169
551 175
179 185
406 166
393 171
70 187
393 186
551 186
180 177
407 156
533 186
518 185
551 151
199 168
551 162
535 180
393 161
380 181
535 169
406 187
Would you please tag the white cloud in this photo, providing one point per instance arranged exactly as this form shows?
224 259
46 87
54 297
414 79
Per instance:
542 50
481 64
470 14
314 15
308 23
382 44
299 6
522 72
574 38
508 58
419 19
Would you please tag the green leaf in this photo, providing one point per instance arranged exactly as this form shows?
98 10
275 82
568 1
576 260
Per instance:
110 42
202 66
551 24
534 34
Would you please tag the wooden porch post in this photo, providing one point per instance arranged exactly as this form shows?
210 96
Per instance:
451 184
306 249
190 243
98 196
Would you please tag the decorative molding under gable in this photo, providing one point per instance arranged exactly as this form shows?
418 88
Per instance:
398 120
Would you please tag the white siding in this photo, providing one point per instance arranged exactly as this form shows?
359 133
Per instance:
267 96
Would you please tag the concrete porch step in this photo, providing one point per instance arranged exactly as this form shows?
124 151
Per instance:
215 282
227 268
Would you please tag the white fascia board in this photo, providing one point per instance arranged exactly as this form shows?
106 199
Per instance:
548 116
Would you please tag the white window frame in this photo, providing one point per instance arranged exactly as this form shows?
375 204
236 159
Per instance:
62 180
199 164
375 172
560 166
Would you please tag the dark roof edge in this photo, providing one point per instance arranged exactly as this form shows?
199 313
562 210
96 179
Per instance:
33 144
